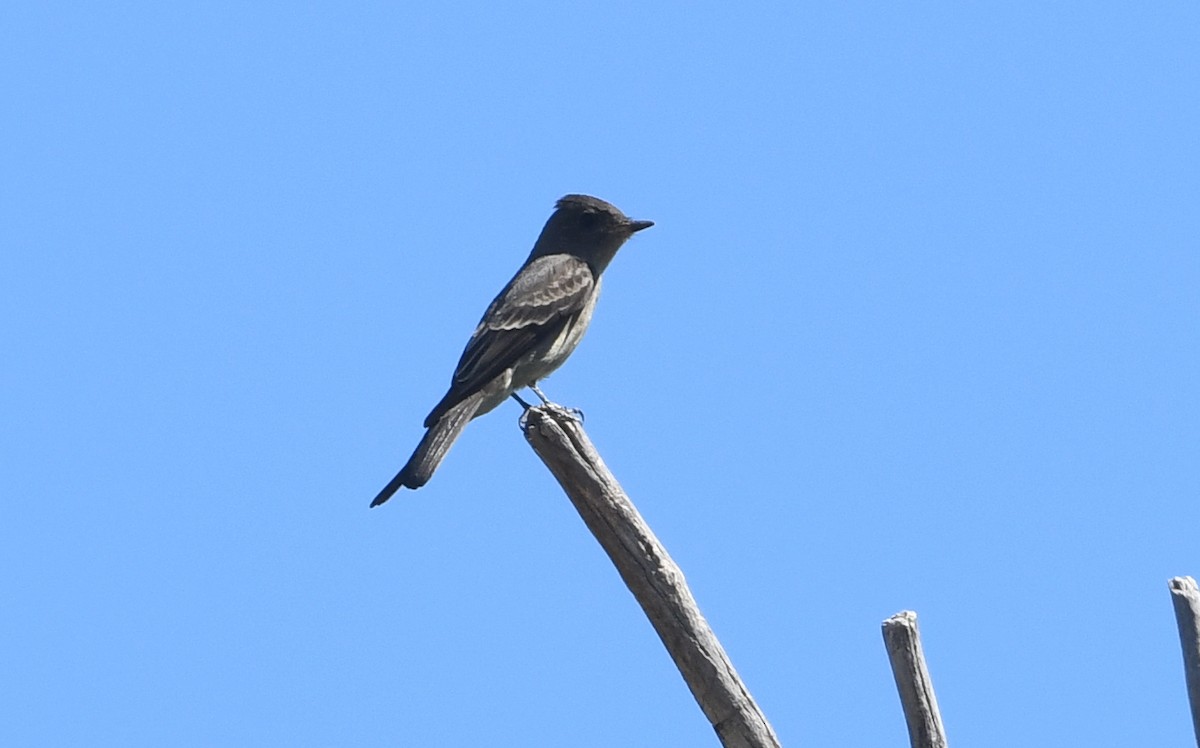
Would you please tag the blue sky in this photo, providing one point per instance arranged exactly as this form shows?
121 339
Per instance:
916 328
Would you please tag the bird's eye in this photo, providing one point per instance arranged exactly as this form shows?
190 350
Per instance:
589 220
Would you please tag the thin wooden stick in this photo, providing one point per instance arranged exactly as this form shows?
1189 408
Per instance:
651 575
903 642
1185 596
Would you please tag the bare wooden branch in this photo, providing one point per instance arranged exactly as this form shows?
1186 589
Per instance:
651 575
903 642
1185 596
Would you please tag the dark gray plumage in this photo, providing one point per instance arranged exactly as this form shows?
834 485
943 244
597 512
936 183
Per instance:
529 329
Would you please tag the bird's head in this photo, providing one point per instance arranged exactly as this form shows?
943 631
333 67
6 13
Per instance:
588 227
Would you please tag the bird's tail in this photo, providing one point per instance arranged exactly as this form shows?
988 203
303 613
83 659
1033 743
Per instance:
433 447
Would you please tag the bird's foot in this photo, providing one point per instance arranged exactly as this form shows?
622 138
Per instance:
575 414
524 419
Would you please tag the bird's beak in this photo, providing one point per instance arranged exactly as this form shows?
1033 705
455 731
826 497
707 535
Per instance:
636 226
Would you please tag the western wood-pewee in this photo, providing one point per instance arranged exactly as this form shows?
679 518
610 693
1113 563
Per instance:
529 329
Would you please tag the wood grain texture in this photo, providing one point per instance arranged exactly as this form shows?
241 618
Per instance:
903 642
654 579
1185 596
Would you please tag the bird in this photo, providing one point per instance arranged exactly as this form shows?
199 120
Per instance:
528 330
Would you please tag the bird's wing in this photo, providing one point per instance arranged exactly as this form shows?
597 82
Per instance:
532 308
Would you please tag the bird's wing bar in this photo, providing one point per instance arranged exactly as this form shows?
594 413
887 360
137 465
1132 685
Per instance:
531 309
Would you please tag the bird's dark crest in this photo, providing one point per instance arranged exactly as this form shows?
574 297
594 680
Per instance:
587 202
